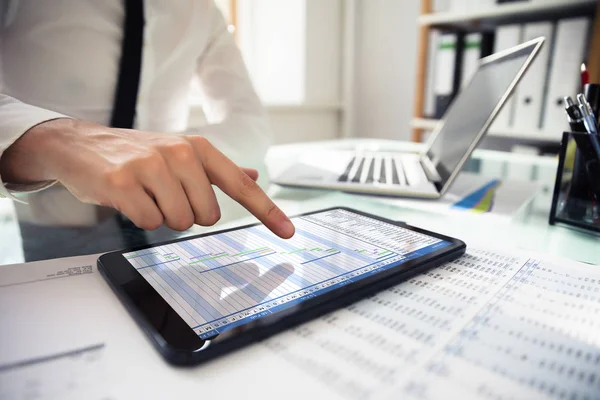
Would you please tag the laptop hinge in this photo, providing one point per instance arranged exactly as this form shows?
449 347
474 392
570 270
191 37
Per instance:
430 170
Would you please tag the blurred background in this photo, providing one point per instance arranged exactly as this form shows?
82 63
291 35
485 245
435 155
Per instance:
378 68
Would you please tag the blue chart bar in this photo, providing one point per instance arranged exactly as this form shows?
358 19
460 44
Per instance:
320 258
221 281
237 262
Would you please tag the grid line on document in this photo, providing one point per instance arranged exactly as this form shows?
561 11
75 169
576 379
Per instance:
227 271
149 274
201 304
338 232
237 311
201 309
291 280
282 260
238 280
338 271
267 236
257 293
211 276
216 283
181 269
355 221
324 231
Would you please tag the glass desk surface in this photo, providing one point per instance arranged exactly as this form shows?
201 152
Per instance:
54 224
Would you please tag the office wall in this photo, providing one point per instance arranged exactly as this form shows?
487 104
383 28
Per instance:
331 68
293 51
386 46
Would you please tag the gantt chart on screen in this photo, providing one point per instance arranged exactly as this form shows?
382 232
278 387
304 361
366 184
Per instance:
224 280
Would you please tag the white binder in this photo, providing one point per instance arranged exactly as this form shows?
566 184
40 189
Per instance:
530 94
567 56
471 56
507 36
444 74
429 106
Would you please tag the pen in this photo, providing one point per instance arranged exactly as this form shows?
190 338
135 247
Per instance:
574 115
585 75
589 120
592 95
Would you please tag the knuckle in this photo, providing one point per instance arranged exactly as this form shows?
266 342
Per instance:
274 212
210 218
153 221
149 222
201 143
181 223
120 179
249 187
182 151
152 164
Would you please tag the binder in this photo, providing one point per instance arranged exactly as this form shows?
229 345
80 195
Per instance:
430 97
471 55
475 46
507 36
445 67
530 94
567 56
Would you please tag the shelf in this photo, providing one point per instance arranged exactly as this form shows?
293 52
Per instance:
196 102
511 13
531 136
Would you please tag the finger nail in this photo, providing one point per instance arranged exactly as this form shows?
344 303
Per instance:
287 229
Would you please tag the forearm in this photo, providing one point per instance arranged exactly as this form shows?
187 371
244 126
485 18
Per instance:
24 161
17 118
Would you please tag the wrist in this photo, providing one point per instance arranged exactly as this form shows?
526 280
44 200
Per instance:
29 158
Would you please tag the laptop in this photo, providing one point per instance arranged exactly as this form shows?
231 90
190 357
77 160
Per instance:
428 174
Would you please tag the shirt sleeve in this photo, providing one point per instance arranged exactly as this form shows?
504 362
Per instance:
16 118
237 120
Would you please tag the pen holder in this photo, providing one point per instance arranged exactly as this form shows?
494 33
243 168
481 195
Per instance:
576 199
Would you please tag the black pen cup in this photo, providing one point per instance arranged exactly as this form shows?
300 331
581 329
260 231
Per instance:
576 198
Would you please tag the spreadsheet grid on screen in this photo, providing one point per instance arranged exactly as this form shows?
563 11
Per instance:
224 280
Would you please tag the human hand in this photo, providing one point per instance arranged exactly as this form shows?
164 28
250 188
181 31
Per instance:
152 178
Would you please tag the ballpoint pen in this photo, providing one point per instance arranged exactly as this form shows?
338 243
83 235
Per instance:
592 95
589 120
574 115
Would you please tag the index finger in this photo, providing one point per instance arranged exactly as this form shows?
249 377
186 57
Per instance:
232 180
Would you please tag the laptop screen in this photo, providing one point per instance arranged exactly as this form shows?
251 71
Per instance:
472 111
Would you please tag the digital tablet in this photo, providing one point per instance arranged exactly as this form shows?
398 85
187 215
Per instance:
200 297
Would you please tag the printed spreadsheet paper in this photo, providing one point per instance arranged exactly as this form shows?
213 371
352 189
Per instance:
493 324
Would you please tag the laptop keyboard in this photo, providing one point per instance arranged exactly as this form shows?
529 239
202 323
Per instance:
386 169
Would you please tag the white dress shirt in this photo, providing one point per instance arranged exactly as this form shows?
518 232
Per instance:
61 58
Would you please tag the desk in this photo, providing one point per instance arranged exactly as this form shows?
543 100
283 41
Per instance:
54 224
128 353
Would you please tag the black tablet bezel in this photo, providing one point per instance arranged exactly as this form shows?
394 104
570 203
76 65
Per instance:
179 344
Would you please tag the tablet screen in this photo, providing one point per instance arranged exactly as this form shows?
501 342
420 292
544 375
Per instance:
221 281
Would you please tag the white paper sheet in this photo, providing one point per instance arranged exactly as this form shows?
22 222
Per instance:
474 327
76 374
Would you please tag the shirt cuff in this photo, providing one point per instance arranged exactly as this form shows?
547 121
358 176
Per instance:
17 119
